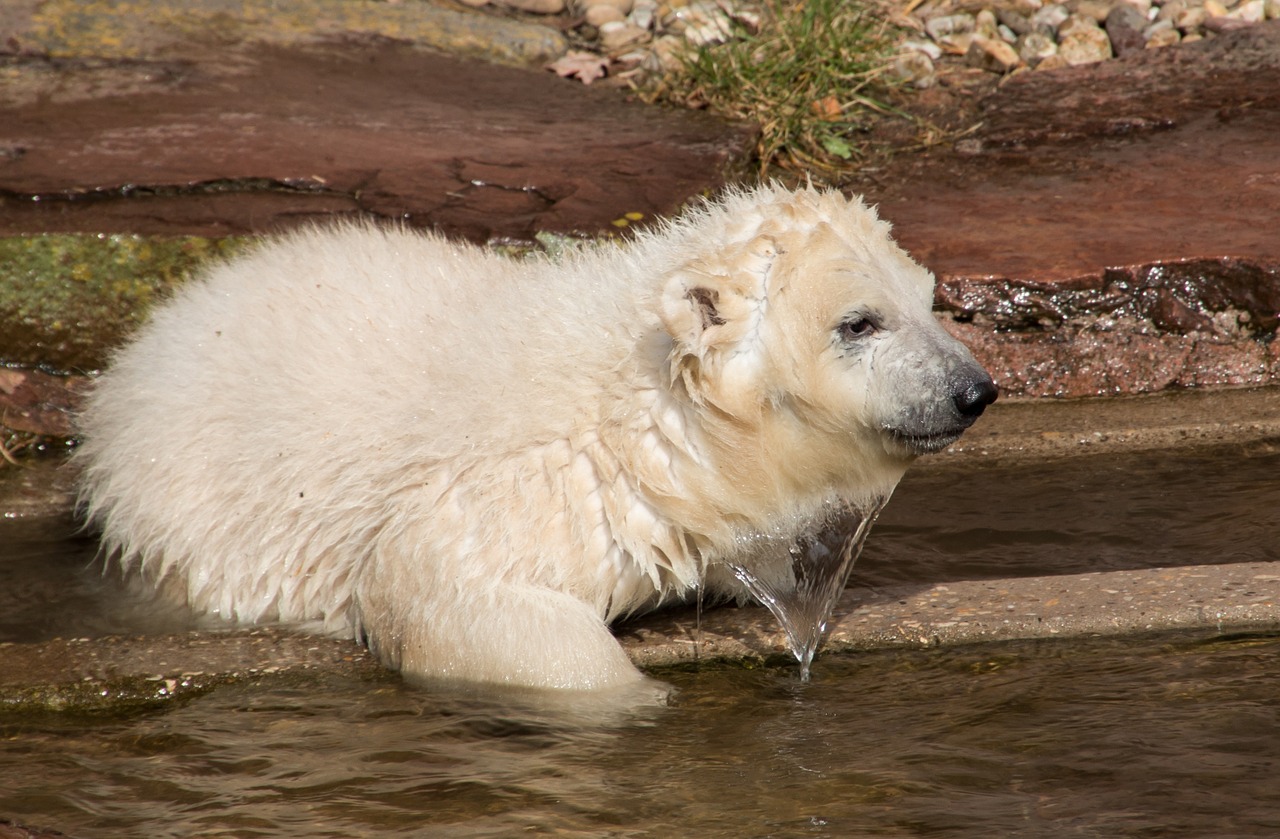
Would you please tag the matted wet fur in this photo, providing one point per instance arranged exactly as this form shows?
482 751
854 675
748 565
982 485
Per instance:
474 463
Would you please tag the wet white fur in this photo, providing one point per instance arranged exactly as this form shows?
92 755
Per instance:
475 462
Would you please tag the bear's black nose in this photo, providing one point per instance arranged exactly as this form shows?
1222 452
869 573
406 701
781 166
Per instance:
971 401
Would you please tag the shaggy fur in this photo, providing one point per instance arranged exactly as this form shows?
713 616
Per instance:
474 463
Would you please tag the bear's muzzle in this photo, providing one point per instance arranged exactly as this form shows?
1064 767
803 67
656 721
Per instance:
939 425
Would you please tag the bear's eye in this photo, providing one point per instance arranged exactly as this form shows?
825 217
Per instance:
857 327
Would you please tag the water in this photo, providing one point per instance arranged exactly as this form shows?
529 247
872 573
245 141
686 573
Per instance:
1108 513
1089 514
944 523
1174 737
53 586
803 597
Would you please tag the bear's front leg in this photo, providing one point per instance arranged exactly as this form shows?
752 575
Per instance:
514 634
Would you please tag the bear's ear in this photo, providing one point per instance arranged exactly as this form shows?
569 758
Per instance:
691 313
715 302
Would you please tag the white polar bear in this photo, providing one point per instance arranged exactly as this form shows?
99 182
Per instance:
474 463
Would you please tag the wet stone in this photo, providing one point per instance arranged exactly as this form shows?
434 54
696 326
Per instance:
283 137
1068 252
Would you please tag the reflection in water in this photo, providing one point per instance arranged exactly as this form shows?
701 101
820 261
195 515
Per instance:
1175 737
53 584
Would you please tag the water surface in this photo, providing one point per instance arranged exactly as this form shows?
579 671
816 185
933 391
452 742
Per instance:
1173 737
1177 736
1100 513
943 523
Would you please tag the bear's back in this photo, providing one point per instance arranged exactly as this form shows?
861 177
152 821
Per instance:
262 421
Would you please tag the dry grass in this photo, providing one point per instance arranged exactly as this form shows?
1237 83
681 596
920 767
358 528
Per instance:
811 77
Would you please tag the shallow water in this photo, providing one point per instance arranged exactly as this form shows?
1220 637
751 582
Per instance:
53 586
1174 738
1069 517
943 523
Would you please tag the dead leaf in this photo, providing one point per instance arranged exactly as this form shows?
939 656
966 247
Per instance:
827 108
586 66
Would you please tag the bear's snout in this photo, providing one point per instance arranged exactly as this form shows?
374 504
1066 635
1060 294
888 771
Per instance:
942 413
973 397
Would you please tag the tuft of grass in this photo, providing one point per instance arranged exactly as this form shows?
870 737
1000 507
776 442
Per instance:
809 77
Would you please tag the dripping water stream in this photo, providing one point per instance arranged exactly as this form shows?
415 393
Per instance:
802 592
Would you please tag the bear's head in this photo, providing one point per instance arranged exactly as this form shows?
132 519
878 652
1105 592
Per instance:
808 337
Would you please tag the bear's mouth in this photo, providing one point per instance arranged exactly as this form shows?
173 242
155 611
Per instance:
926 443
916 442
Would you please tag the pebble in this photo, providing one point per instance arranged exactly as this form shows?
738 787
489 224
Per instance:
991 54
1077 26
541 7
1035 47
1164 38
1015 21
1046 35
643 14
601 14
1085 45
1125 25
702 22
940 27
929 48
915 67
1250 12
997 36
1097 10
1189 20
617 34
985 25
1050 18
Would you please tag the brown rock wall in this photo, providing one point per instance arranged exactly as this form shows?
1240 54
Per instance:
1111 228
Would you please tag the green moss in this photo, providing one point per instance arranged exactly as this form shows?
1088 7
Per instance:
66 300
98 697
144 29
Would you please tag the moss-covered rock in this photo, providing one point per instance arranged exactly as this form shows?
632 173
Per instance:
66 300
140 29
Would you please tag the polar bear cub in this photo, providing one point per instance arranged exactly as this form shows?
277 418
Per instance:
474 463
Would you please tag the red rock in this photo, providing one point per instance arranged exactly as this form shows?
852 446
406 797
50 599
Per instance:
284 136
35 402
1086 185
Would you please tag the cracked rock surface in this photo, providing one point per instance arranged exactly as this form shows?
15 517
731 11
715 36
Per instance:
277 136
